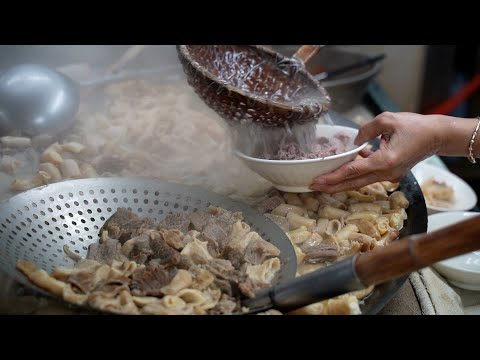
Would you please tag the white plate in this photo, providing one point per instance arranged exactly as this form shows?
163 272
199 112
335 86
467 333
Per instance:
462 271
465 197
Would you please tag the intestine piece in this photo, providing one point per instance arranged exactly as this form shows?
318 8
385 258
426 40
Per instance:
15 142
70 169
52 156
88 171
52 170
9 164
73 147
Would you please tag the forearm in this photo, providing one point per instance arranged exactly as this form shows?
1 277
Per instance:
455 134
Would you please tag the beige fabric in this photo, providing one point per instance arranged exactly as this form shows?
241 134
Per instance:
404 303
470 299
444 299
425 293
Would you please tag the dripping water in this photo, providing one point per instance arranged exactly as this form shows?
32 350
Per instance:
262 142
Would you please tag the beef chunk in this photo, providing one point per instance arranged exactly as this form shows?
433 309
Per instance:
199 220
166 255
234 255
269 204
216 233
106 252
213 248
235 249
230 217
125 225
260 250
138 249
247 287
226 277
82 278
178 221
223 285
214 226
174 238
230 280
149 280
225 215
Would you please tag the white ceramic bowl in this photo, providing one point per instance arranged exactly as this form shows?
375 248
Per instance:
462 271
465 197
298 175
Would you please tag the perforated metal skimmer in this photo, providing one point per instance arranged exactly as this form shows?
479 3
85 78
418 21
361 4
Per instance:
36 224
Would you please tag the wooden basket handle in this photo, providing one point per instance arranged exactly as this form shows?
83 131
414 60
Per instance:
306 52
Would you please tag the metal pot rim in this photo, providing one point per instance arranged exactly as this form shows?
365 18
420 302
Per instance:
356 78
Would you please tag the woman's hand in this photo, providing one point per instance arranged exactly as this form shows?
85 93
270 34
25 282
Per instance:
406 139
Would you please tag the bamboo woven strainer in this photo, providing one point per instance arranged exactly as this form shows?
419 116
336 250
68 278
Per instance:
252 83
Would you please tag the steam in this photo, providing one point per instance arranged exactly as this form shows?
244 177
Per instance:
259 141
165 131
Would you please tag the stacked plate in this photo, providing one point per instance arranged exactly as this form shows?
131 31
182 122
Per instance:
462 271
464 198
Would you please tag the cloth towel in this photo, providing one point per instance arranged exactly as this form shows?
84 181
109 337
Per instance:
425 293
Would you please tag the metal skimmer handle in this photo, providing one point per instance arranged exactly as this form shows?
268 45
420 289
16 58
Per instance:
331 281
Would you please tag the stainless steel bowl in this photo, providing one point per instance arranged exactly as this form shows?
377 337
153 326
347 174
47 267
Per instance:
346 90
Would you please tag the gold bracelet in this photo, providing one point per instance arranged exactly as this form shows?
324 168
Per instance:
471 157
